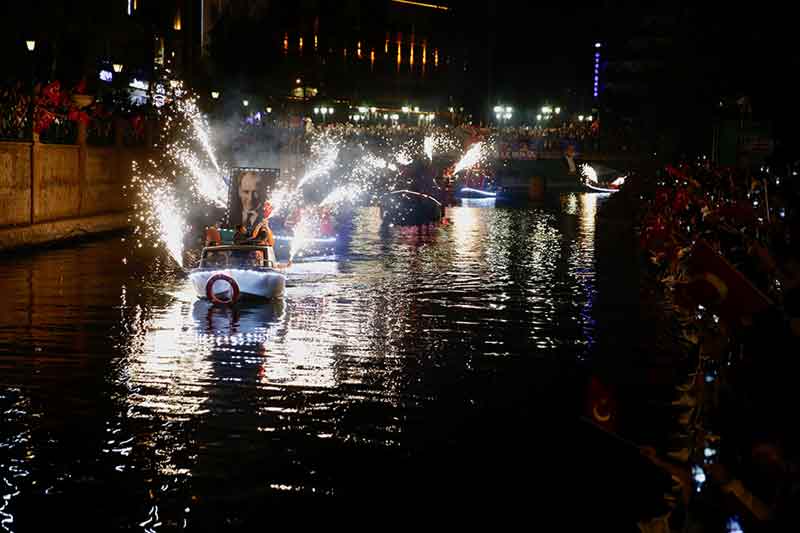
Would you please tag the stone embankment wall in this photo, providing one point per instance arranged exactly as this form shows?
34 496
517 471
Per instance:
50 192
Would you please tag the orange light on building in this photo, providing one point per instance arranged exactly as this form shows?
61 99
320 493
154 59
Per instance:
411 55
359 49
424 53
345 53
285 42
316 42
399 54
301 45
386 46
372 59
176 22
436 57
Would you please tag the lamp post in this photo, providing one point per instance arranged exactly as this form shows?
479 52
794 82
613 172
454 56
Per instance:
215 95
31 46
503 113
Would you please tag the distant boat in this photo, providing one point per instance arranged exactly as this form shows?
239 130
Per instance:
474 194
598 178
409 208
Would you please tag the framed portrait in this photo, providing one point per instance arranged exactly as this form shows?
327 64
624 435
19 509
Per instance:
249 189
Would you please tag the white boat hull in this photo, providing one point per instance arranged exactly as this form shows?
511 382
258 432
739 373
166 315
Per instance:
260 283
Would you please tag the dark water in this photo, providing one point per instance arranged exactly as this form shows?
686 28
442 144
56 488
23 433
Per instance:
435 372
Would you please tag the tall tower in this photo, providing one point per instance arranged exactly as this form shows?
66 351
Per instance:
596 74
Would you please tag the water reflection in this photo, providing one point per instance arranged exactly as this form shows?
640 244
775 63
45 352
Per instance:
379 352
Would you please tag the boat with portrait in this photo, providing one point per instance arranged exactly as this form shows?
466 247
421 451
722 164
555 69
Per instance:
229 272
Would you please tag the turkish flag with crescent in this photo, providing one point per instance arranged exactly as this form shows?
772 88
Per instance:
601 405
720 286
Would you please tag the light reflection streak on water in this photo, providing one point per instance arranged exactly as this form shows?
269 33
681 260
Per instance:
583 261
16 450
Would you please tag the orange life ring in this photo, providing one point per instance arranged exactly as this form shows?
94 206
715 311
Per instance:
210 289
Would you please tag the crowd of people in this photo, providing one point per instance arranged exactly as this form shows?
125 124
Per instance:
284 135
583 136
723 244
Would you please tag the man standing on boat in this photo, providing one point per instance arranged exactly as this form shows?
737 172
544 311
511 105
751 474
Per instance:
569 160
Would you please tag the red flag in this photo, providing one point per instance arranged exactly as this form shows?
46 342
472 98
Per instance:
601 406
717 284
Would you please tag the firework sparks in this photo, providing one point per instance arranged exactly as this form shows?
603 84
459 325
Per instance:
201 129
470 159
345 193
206 183
428 147
303 233
589 173
324 164
170 222
159 216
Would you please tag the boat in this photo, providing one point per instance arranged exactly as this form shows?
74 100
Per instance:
597 178
474 186
469 193
227 273
410 208
320 231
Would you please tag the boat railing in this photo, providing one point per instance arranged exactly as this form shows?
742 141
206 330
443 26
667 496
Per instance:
243 255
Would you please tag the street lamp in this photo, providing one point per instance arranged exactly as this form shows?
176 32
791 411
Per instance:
558 110
269 110
580 118
117 67
31 45
214 94
245 103
405 109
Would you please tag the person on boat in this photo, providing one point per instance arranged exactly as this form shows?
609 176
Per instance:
241 236
213 237
262 234
325 223
569 159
